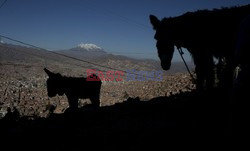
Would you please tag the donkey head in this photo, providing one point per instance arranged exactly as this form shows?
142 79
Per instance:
54 83
165 43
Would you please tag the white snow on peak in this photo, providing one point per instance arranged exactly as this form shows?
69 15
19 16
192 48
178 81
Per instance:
89 47
1 41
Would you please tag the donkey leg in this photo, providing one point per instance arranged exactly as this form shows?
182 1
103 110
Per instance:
210 73
200 75
95 101
204 67
200 79
229 73
73 103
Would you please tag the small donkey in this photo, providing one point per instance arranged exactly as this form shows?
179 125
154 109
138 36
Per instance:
74 88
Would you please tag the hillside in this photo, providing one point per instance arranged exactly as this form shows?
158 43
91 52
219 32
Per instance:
160 123
98 55
134 115
23 81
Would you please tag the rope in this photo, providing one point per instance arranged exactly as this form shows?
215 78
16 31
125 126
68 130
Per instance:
17 64
181 54
73 58
3 4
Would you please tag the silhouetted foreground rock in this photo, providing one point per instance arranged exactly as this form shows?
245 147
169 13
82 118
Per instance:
186 116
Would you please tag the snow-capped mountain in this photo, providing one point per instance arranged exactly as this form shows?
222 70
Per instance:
85 51
89 47
18 55
1 41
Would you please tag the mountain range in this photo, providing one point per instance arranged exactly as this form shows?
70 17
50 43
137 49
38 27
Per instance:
86 52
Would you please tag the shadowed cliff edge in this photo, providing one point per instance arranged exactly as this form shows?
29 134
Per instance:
185 116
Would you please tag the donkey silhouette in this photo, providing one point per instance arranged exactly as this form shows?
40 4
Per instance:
242 73
74 88
206 34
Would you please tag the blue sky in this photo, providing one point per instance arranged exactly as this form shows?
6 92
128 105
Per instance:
118 26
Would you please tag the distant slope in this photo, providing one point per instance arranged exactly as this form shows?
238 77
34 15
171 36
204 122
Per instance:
25 55
98 55
23 80
82 53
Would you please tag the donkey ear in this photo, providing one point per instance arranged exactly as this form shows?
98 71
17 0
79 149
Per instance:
49 73
154 21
